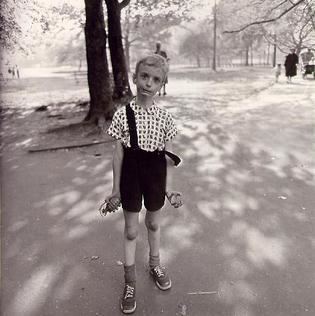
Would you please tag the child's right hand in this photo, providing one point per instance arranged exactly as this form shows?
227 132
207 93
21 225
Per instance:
111 204
175 198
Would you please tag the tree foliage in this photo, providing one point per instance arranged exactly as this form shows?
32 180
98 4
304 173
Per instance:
284 23
10 30
64 36
146 22
18 19
248 13
295 30
198 46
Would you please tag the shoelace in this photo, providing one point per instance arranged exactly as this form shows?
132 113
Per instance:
129 291
158 270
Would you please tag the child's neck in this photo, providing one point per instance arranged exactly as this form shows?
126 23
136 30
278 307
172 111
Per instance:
144 102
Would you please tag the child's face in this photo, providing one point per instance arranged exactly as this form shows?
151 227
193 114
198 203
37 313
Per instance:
148 80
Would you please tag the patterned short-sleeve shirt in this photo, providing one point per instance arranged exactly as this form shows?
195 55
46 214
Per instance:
155 126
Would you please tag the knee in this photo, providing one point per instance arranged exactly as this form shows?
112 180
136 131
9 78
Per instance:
152 226
131 233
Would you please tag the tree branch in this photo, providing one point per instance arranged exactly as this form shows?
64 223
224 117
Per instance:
134 40
279 5
266 21
312 14
186 28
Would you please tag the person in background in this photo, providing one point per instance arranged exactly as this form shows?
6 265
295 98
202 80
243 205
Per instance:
17 71
277 70
163 54
308 56
290 63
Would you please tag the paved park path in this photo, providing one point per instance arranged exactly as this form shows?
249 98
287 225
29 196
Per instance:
242 245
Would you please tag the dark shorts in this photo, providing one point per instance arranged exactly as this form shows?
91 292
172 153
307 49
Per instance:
143 177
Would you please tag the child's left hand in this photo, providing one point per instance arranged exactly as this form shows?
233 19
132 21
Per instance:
175 198
110 205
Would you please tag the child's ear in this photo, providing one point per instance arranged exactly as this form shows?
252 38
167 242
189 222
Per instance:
134 78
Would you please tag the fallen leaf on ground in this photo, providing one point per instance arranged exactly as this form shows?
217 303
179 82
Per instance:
282 197
202 293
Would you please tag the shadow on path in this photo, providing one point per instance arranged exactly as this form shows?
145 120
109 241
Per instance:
246 230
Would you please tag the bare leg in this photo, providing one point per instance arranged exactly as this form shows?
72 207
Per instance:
128 301
152 222
159 274
130 236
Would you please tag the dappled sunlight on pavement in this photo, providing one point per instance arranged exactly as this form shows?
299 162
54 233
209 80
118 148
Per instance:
63 218
252 181
261 250
245 235
32 295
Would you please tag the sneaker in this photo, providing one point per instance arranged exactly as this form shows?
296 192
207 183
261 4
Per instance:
161 278
128 303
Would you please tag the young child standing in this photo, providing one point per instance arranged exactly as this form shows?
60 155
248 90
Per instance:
277 70
143 133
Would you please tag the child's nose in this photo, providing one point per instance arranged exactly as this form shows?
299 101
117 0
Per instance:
149 82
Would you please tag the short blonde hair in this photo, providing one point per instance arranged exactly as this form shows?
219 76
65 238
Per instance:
153 60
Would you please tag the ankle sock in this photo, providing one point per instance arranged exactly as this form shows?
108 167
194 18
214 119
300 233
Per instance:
130 274
154 261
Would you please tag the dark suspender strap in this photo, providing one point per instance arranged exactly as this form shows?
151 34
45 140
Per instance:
132 127
174 157
134 136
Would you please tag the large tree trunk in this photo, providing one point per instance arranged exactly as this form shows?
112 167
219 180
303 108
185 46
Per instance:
120 73
268 54
127 43
101 104
127 50
198 61
246 56
274 60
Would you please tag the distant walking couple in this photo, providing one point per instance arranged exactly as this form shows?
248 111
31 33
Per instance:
290 63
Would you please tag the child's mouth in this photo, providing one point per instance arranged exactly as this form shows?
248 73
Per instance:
146 91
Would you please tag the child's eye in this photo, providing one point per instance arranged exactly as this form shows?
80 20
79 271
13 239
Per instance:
144 76
157 80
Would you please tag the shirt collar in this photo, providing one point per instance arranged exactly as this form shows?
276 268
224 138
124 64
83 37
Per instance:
137 108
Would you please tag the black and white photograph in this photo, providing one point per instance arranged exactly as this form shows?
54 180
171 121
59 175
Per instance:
157 157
